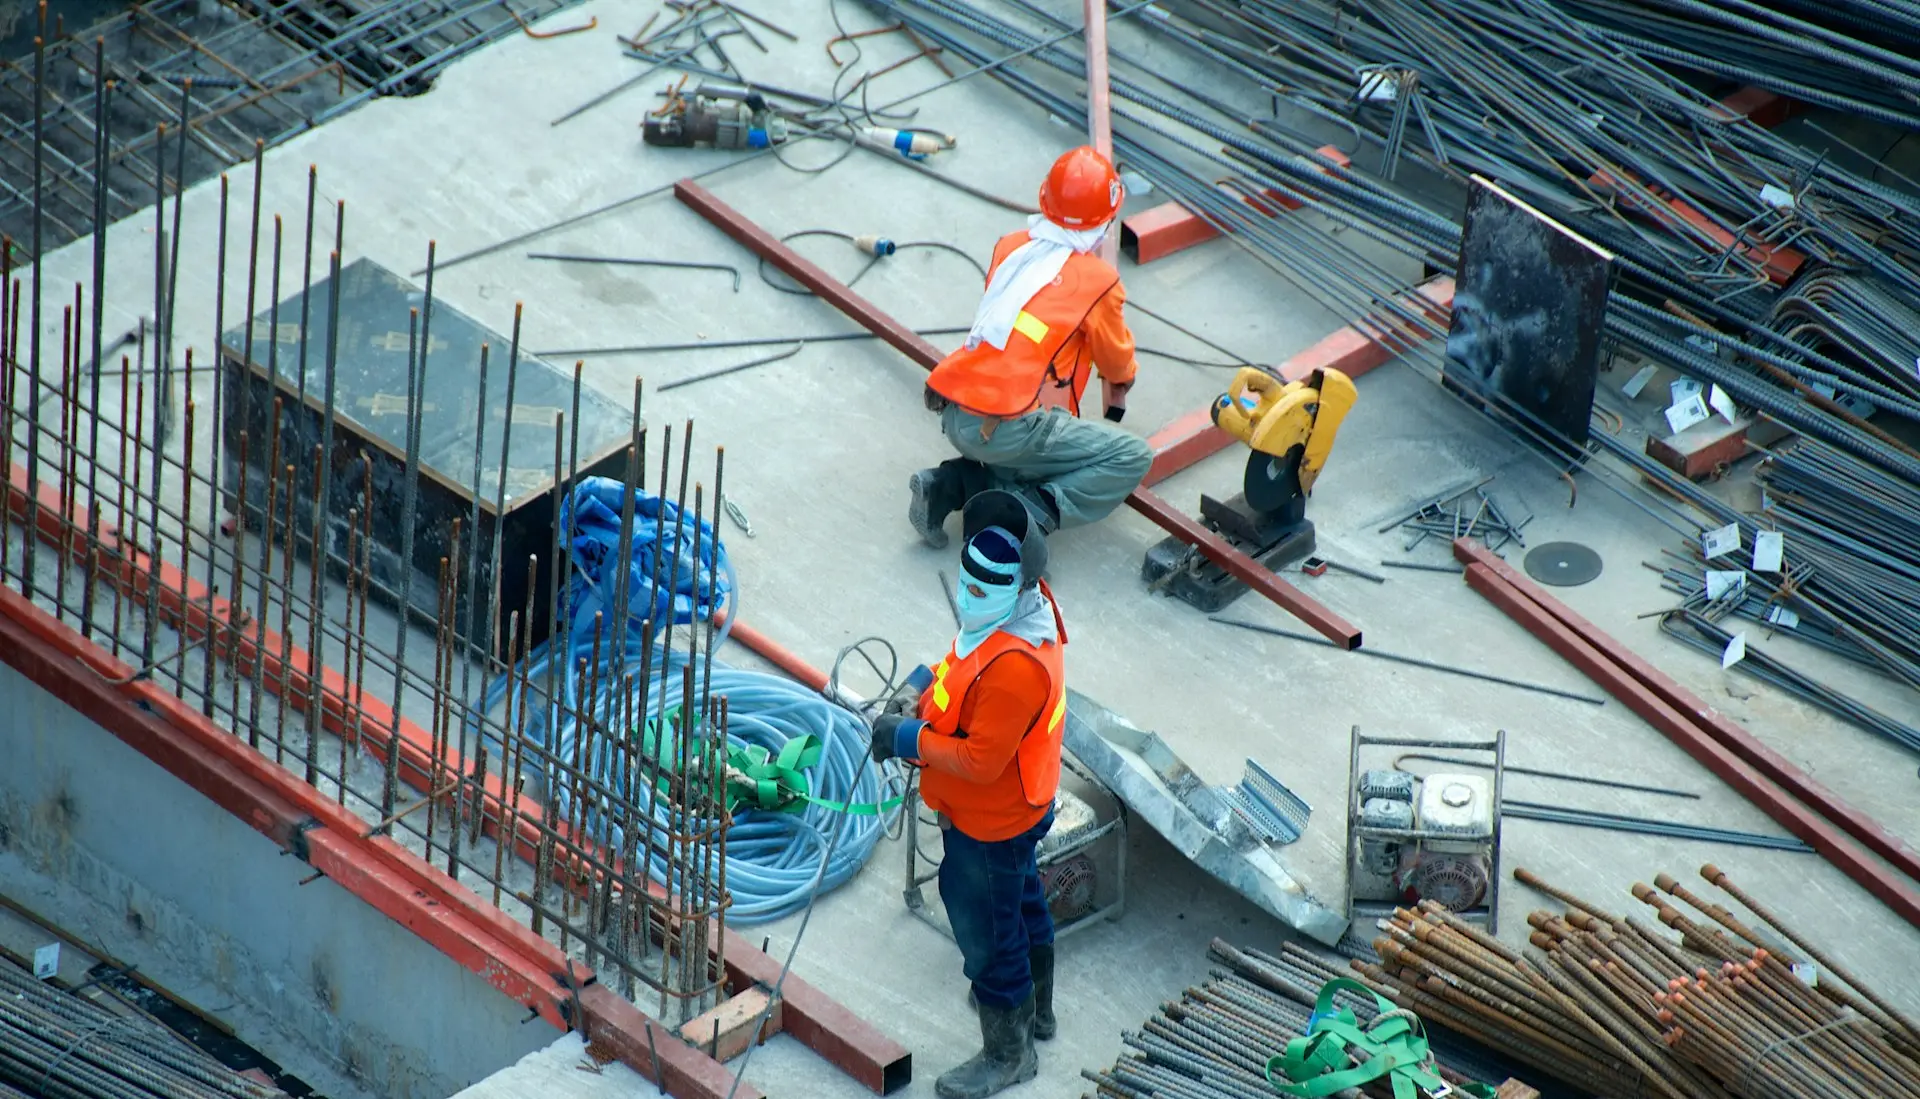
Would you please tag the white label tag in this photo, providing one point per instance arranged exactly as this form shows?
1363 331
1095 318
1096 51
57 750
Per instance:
1682 388
46 962
1703 344
1720 541
1724 582
1645 374
1687 413
1859 406
1769 546
1777 197
1723 404
1823 389
1781 616
1379 87
1736 651
1808 973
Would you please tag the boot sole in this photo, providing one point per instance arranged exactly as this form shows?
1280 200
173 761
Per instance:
1027 1072
919 511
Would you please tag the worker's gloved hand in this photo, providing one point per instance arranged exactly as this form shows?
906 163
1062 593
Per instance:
906 698
896 736
1116 398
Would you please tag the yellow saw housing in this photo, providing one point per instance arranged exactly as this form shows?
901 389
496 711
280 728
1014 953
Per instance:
1274 416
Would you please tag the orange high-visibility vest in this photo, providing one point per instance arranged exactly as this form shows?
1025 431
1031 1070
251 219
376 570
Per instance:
1003 383
1037 760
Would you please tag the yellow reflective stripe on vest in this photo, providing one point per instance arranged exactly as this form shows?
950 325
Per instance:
941 698
1059 714
1030 326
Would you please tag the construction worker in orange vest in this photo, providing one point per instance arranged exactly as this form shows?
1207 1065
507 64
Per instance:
1009 398
986 727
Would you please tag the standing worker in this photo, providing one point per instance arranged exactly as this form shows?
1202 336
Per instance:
986 728
1052 313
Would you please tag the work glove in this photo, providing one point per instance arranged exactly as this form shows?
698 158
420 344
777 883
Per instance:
1116 397
906 698
896 736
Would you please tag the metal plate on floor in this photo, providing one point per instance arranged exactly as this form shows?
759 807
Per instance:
1562 564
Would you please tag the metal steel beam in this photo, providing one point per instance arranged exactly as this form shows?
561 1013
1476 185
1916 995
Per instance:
1175 522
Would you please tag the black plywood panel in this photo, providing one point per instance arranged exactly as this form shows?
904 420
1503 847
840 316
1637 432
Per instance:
1528 307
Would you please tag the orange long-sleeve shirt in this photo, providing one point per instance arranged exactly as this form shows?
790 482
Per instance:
1106 335
975 779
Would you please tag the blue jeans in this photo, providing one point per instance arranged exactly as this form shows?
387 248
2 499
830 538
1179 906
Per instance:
998 910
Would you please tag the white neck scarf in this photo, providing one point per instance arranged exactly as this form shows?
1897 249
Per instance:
1025 272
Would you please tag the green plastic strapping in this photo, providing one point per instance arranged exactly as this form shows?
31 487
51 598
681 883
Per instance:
759 779
1321 1062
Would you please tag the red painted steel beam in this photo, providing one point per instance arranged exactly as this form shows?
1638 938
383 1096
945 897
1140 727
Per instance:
1779 264
1171 227
1182 526
811 1016
1728 732
806 272
1687 721
1359 347
1764 108
280 806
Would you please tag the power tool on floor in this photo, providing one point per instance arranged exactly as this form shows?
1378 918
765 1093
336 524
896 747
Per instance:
1290 427
714 121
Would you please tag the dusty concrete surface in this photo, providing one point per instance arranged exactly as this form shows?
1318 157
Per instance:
819 447
106 845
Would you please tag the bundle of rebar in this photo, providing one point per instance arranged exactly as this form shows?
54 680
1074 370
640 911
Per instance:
1615 1006
56 1044
1842 54
1692 628
1217 1040
1704 210
227 77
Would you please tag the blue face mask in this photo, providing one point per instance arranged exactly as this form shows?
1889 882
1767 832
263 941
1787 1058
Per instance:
985 606
981 614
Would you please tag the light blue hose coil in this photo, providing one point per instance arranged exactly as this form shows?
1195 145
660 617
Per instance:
772 857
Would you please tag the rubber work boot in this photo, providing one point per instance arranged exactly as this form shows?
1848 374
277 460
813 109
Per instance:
1044 1024
938 493
1006 1056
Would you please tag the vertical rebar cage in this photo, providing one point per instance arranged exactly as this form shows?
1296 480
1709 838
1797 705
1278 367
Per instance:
574 771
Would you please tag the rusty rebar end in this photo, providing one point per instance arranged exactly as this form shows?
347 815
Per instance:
1642 892
1665 883
1542 940
1712 873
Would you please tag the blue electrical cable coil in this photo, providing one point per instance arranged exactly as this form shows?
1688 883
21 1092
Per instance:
772 856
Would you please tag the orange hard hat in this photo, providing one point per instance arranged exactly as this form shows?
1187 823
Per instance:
1082 190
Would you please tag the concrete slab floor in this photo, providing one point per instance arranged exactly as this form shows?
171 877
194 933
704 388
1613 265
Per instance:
819 447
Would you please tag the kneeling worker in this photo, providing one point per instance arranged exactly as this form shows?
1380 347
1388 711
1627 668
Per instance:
1052 312
986 727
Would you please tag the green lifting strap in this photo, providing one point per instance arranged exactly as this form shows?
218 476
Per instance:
759 779
1321 1062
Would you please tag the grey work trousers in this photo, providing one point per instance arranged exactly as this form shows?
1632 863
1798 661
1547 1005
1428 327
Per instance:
1061 465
